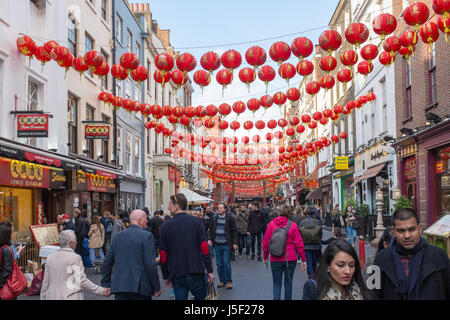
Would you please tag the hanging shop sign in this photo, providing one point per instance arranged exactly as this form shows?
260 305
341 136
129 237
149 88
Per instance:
32 125
377 155
410 168
341 163
97 131
95 182
310 184
441 167
172 174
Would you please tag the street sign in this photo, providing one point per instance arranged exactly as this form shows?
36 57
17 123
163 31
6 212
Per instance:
341 163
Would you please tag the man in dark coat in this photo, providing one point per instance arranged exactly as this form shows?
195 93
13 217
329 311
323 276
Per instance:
154 226
410 268
80 232
132 256
256 227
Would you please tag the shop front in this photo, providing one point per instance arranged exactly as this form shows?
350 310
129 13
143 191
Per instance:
131 194
325 187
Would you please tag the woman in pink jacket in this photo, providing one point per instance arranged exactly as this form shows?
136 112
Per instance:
279 265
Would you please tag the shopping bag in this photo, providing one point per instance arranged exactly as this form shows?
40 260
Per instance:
15 284
212 293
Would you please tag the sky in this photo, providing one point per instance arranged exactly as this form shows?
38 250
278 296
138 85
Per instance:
222 25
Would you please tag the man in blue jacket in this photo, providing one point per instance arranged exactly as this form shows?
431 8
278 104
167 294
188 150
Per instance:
132 255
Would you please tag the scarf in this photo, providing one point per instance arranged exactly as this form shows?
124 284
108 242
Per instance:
335 293
408 287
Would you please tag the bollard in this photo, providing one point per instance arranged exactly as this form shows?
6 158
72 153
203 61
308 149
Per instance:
362 252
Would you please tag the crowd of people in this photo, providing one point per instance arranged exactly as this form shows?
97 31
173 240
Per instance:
184 243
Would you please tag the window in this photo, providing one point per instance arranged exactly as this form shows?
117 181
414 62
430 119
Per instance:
384 104
408 102
130 41
385 120
137 149
128 153
89 45
118 88
128 85
156 144
137 97
104 78
90 142
119 33
138 50
72 37
119 144
33 96
104 9
147 132
432 76
72 108
372 126
105 143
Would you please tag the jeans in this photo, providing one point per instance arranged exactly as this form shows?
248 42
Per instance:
223 253
243 242
256 237
312 259
351 235
278 269
190 282
130 296
92 254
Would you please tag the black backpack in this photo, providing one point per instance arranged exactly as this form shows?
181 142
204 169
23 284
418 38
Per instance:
278 241
310 232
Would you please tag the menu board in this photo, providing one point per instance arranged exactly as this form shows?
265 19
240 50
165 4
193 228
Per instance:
45 235
440 228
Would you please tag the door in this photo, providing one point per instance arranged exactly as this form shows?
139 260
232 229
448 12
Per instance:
411 193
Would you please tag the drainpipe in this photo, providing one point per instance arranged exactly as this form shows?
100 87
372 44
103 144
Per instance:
116 162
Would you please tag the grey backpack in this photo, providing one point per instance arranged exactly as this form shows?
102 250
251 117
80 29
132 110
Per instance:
278 241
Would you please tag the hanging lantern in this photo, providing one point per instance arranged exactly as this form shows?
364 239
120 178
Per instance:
286 71
59 53
323 121
327 82
248 125
330 40
429 33
357 34
279 98
334 139
362 100
200 111
280 52
166 111
266 101
202 78
317 116
177 111
334 116
247 76
231 59
186 62
50 45
129 61
409 39
162 78
338 109
164 62
266 74
371 96
178 78
444 26
343 135
344 76
302 47
210 61
300 128
224 109
406 52
102 70
27 46
253 104
312 125
392 45
312 88
282 123
256 139
93 59
255 56
224 77
139 74
349 58
211 110
369 52
185 121
350 105
44 57
416 14
305 68
67 63
156 110
79 65
278 135
245 139
145 109
235 125
209 123
328 64
293 94
260 125
272 124
103 96
365 67
119 72
294 121
239 107
384 24
327 113
127 104
386 58
306 118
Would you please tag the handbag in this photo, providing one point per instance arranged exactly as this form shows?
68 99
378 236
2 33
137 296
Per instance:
16 282
212 293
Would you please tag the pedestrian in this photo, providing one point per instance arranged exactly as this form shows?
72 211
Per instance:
80 232
384 242
133 257
338 276
224 236
184 252
410 268
335 220
256 227
298 216
286 263
352 225
64 277
7 258
155 226
108 230
96 239
242 219
16 250
209 216
118 225
66 223
311 231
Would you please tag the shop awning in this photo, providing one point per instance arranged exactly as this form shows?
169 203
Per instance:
315 174
314 195
193 197
103 171
370 173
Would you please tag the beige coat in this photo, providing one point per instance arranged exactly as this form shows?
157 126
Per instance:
96 236
64 277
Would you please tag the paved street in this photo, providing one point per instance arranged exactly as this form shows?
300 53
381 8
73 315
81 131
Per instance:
251 281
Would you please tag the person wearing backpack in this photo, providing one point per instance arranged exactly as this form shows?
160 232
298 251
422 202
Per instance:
311 231
283 242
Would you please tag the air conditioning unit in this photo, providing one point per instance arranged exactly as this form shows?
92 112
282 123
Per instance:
39 3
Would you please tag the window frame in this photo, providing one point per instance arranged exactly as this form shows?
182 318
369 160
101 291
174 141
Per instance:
408 93
75 35
119 143
87 37
128 152
137 156
90 145
105 142
104 9
104 79
72 126
119 32
432 86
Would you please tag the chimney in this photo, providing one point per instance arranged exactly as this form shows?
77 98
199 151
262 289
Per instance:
142 7
147 7
136 7
131 6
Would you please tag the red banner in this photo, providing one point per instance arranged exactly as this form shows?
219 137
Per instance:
41 159
172 174
32 126
24 174
96 131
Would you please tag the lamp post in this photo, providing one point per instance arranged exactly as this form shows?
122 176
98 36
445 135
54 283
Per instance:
379 229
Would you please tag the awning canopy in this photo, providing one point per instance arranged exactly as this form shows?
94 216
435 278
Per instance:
370 173
315 174
193 197
314 195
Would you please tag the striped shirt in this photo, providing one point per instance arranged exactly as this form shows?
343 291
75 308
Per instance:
220 231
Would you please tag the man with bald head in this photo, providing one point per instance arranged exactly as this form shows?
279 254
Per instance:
132 255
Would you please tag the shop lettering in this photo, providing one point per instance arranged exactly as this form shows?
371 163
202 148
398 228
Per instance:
57 177
377 155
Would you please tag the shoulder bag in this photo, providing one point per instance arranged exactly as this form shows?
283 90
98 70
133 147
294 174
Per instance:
16 282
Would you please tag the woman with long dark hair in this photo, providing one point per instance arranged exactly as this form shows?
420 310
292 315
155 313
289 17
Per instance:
338 276
7 259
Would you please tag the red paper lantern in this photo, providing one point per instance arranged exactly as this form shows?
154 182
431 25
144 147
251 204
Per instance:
278 135
302 47
305 68
362 100
248 125
239 107
365 67
27 46
164 62
59 53
335 139
408 39
166 111
186 62
306 118
245 139
293 94
279 98
334 116
50 45
209 123
139 74
162 76
78 63
102 70
202 78
369 52
384 24
280 52
386 58
266 74
349 58
294 121
429 33
444 25
272 124
255 56
211 110
210 61
145 109
356 34
178 78
189 111
416 14
441 7
224 109
200 111
406 52
224 77
371 96
282 123
312 88
266 101
323 121
247 76
156 109
327 82
344 76
253 104
312 125
328 63
235 125
330 40
185 121
177 111
317 116
343 135
44 57
223 125
260 125
128 60
93 59
256 139
392 44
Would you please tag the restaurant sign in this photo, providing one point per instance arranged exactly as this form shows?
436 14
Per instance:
32 125
95 182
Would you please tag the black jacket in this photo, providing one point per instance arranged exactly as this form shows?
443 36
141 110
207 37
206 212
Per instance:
69 226
155 226
231 230
6 266
256 222
434 278
80 228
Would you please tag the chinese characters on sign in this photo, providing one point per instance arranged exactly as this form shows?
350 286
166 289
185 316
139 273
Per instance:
32 126
96 131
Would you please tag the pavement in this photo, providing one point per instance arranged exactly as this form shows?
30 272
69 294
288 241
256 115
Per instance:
251 280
